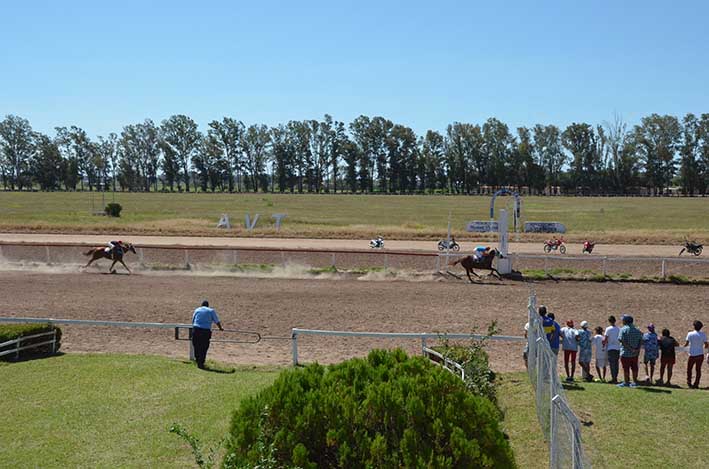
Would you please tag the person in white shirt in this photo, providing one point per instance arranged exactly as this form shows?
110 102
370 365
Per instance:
599 350
697 342
570 338
612 347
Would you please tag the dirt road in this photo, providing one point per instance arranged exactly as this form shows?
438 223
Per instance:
273 306
332 244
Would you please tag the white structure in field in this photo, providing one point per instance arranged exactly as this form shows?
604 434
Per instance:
504 263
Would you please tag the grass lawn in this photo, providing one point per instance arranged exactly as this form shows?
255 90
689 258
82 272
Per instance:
114 410
627 220
621 428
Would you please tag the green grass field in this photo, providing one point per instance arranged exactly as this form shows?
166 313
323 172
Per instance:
621 428
631 220
115 411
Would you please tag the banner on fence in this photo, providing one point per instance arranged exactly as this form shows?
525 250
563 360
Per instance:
544 227
478 226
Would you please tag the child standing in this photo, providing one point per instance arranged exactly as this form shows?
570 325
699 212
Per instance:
650 345
585 351
600 352
667 359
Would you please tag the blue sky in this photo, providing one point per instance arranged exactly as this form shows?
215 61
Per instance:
423 64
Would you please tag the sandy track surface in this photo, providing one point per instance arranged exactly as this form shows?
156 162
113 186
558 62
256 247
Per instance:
274 306
331 244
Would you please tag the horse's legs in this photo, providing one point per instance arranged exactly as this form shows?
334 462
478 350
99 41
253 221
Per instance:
467 272
110 269
90 261
124 265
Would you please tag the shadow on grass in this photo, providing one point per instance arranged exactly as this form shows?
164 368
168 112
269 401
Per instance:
26 357
655 390
569 386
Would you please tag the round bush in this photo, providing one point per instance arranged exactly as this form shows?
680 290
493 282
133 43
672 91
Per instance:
387 410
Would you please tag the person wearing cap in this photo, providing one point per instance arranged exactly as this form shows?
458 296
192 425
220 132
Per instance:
569 342
651 346
202 320
697 341
612 345
585 351
630 339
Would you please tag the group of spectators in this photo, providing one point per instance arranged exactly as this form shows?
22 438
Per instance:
622 345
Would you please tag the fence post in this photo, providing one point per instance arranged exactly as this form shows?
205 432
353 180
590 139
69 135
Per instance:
54 341
605 270
386 261
235 256
332 260
187 259
545 265
141 256
294 339
423 345
49 260
664 269
17 346
283 258
552 436
438 263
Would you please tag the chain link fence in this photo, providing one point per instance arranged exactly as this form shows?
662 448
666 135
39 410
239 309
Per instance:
560 426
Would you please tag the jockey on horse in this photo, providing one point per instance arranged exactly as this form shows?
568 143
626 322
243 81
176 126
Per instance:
113 251
480 252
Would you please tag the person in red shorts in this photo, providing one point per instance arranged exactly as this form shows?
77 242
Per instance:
667 357
631 340
569 342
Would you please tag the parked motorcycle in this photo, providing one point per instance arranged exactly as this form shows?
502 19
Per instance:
588 247
377 243
554 244
692 247
446 244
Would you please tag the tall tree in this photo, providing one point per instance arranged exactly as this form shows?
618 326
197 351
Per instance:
108 148
550 156
77 148
498 143
48 165
255 146
180 134
690 172
657 139
433 160
230 132
16 149
580 140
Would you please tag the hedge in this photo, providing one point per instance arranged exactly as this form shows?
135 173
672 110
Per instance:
13 331
387 410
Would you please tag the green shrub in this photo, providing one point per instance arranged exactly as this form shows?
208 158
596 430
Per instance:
113 209
13 331
387 410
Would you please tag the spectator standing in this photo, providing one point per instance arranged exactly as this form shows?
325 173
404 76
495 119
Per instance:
555 336
612 347
667 359
651 345
202 320
630 339
600 351
570 339
697 341
585 351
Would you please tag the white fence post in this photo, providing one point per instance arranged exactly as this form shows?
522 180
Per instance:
54 341
332 260
664 269
295 348
605 269
423 345
141 256
187 259
49 259
235 257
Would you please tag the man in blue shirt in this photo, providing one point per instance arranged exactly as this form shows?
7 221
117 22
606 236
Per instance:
202 320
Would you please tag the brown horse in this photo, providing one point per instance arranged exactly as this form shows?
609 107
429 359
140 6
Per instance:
116 255
470 262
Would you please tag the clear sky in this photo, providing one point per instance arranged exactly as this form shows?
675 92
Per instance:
101 65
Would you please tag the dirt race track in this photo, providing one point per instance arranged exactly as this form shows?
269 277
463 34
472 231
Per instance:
272 306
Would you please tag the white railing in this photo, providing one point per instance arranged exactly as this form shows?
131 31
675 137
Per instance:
17 346
422 336
450 365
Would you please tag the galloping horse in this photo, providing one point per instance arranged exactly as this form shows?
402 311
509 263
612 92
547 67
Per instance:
470 262
116 255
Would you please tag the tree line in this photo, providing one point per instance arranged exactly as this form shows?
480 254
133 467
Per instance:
370 154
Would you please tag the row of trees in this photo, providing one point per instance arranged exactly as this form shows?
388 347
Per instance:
370 154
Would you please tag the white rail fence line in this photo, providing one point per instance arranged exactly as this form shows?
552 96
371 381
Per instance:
18 347
422 336
450 365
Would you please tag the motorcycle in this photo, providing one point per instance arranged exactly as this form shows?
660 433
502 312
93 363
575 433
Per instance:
588 247
554 244
692 247
377 243
445 244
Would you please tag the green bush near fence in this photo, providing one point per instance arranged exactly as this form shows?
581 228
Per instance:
13 331
387 411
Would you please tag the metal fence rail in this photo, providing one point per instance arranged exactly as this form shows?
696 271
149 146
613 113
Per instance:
18 347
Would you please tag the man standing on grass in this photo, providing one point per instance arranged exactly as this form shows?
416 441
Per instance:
569 342
697 341
630 339
202 320
612 347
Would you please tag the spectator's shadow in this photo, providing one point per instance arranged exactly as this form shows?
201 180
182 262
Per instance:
217 370
571 386
654 389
